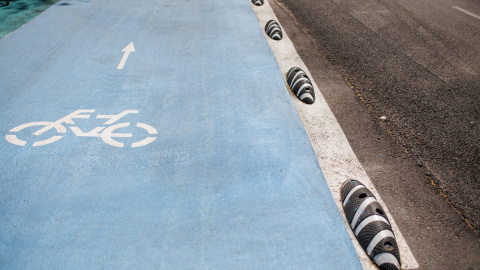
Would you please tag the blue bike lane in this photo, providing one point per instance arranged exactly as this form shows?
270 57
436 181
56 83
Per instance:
168 140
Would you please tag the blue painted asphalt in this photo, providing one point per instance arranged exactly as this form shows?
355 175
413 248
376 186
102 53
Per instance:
228 178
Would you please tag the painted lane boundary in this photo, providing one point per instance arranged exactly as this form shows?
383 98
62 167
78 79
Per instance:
466 12
334 153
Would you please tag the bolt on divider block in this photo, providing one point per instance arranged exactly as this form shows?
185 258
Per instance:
257 2
301 85
370 225
273 30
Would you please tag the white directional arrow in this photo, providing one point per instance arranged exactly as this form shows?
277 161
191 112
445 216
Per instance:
127 50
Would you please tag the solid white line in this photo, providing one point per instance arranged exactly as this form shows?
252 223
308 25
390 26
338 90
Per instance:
334 153
466 12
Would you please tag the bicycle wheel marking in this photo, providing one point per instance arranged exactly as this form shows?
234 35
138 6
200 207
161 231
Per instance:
151 130
12 138
106 133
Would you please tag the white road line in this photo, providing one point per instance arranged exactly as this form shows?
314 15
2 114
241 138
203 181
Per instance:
335 155
466 12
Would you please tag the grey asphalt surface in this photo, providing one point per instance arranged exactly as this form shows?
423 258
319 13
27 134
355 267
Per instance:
402 79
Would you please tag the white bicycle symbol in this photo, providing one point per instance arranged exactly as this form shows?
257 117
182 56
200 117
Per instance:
105 133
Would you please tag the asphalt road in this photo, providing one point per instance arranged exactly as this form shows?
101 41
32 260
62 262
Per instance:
402 79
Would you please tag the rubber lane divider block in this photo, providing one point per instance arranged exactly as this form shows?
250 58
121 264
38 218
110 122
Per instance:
301 85
370 225
273 30
257 2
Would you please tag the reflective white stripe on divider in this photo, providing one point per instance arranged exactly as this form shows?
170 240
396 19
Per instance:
351 192
385 257
369 220
360 210
378 237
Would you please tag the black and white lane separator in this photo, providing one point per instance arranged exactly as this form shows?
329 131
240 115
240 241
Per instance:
300 84
257 2
273 30
370 225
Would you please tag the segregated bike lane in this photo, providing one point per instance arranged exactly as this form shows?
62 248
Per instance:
156 134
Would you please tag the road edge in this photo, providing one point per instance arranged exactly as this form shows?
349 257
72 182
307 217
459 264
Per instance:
335 155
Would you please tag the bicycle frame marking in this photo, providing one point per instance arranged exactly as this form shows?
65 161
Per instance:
106 133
